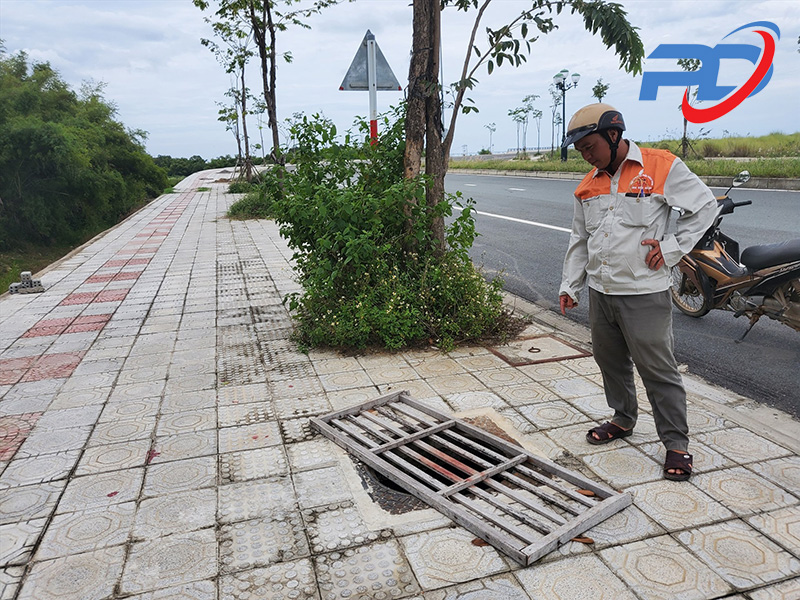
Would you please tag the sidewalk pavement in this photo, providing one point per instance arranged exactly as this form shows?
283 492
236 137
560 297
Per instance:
155 444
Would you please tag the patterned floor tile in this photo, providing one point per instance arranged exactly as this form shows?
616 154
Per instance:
196 590
573 387
547 371
571 578
38 469
86 531
170 561
624 467
53 366
782 525
447 556
557 413
482 362
500 378
376 571
743 491
137 392
252 464
243 394
456 384
347 398
336 365
312 454
184 446
293 580
292 408
740 555
660 568
258 543
629 525
333 382
100 490
122 430
113 457
783 471
742 445
437 365
245 414
88 576
788 590
502 587
528 393
19 540
175 513
187 421
338 526
14 430
464 401
391 374
249 437
181 475
29 502
320 486
192 400
704 459
676 505
255 499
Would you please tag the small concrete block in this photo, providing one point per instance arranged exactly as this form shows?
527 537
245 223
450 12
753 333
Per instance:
320 486
261 463
88 576
447 556
170 561
255 499
377 570
660 568
740 555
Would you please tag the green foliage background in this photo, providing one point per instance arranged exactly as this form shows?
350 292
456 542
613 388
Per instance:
68 169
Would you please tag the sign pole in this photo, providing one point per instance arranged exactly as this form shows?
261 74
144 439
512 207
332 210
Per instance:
372 78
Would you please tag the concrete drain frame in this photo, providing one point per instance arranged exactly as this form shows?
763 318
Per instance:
524 505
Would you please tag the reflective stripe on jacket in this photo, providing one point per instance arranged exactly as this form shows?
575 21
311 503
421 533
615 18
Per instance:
613 215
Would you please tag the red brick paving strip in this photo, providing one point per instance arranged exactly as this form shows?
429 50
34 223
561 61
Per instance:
54 366
14 429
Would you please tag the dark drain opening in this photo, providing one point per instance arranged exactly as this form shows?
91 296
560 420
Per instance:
386 493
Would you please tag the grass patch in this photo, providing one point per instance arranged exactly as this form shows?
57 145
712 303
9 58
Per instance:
204 189
27 257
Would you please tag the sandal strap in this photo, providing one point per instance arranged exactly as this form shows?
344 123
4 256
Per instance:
607 431
678 460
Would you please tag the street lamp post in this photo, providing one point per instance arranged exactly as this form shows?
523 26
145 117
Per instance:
560 79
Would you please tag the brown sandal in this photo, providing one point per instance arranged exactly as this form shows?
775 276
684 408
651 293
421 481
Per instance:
678 461
607 432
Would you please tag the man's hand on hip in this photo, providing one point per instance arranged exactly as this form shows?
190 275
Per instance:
654 258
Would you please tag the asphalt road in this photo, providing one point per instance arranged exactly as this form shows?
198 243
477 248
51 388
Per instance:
524 231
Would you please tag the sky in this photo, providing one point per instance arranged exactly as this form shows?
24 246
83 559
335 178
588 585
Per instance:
163 81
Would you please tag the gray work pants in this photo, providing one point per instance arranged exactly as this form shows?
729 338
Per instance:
628 330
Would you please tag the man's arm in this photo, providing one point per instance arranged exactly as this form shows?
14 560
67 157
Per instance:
684 190
573 275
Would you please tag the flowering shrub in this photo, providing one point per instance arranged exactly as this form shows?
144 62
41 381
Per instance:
370 269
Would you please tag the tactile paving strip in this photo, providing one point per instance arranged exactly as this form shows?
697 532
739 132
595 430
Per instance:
284 581
252 464
376 572
260 542
338 526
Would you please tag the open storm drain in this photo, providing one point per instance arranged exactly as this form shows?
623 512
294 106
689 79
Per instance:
524 505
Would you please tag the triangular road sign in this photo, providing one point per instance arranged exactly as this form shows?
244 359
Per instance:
357 77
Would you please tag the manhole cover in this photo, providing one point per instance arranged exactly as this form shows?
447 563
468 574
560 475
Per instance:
538 349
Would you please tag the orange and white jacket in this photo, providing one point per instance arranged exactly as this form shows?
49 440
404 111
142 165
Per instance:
613 215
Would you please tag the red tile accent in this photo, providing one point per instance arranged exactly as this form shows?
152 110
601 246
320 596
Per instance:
127 275
100 278
53 366
79 298
116 263
14 429
138 261
43 331
111 295
84 327
12 369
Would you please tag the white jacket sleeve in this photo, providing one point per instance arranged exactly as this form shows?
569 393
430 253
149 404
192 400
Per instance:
573 276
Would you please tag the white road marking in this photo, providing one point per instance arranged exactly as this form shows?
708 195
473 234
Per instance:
516 189
471 184
523 221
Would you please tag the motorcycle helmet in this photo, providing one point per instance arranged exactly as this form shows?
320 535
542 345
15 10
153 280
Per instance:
595 118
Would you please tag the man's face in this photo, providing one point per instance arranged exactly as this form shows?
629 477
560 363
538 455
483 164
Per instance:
595 149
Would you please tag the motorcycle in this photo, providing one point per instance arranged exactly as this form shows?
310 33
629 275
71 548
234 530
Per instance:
764 280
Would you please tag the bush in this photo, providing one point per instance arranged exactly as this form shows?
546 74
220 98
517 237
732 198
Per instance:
369 266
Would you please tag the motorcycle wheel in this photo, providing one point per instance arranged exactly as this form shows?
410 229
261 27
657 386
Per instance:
685 296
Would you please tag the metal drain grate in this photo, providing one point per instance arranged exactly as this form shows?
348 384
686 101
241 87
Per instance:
523 505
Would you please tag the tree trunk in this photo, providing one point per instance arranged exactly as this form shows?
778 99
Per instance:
248 163
685 140
424 109
267 53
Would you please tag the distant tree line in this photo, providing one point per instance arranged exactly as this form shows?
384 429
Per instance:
68 168
182 167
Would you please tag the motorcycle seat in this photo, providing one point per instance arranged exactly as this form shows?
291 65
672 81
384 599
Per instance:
769 255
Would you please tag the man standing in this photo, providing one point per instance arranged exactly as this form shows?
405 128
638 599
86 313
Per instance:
620 248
